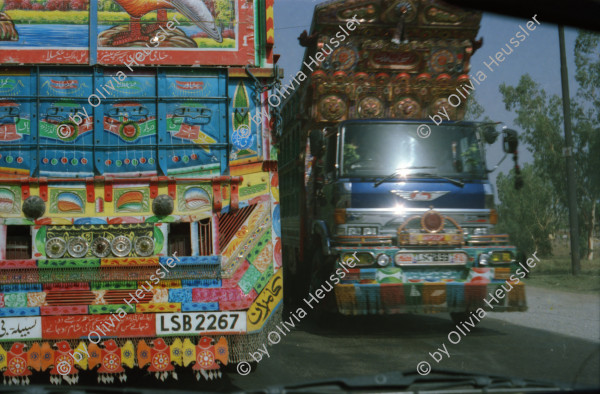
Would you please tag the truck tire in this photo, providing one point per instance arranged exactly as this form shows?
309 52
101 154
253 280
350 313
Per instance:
292 292
321 267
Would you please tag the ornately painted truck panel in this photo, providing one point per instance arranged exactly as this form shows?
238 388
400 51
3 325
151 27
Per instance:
108 33
139 228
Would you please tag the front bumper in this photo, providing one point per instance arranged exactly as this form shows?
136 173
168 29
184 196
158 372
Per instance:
382 296
411 287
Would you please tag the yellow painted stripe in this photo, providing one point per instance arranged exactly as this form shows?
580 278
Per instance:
246 169
13 171
164 284
129 261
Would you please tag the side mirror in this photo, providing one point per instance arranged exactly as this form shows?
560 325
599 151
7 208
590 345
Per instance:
510 142
316 142
490 134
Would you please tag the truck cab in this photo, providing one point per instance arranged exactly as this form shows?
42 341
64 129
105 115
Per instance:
409 205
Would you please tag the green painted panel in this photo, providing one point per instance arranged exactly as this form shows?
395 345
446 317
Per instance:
69 263
114 285
107 309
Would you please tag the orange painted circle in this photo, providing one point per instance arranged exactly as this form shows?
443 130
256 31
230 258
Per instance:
111 362
205 358
129 130
160 361
17 366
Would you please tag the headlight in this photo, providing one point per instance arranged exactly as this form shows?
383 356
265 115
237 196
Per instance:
483 259
354 230
480 231
383 260
370 231
364 258
501 257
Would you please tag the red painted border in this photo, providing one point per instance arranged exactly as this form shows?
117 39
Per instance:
63 310
18 264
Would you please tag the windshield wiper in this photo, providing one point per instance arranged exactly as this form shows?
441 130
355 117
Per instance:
455 182
396 173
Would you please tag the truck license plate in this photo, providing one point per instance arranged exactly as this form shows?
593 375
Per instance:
432 257
200 323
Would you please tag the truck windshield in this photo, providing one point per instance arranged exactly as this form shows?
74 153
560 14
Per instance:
380 149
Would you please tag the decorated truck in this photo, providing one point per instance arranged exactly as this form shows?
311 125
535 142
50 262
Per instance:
139 204
374 178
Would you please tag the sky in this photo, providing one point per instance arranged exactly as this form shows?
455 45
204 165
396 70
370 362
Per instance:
537 55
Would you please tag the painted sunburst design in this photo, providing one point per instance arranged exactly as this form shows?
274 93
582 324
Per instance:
111 362
160 361
17 365
205 358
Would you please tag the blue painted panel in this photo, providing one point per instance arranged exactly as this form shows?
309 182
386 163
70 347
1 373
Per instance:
199 306
193 125
364 195
24 311
15 125
109 121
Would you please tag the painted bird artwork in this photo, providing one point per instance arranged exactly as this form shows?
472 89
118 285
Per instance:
17 370
64 366
196 11
206 356
160 362
111 362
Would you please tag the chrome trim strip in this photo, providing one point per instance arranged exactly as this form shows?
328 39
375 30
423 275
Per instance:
433 251
482 211
436 264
